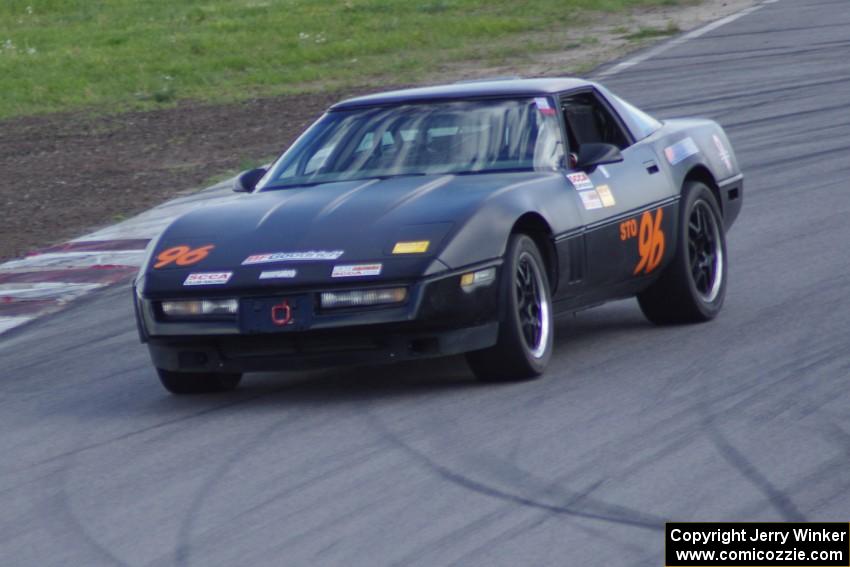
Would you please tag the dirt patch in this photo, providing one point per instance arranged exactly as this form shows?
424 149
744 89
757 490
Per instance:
64 174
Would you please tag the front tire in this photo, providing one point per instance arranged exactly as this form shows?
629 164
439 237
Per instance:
196 382
693 287
526 327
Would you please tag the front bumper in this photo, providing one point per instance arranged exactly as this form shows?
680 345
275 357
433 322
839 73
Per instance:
439 318
298 351
731 198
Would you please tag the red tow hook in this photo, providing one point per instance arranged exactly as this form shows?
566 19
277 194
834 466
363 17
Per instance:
282 314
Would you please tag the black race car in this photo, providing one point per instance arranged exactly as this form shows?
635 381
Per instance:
434 221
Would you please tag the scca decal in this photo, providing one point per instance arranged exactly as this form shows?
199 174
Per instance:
650 239
182 255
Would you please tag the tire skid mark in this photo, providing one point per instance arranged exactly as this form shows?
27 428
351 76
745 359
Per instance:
781 502
754 391
751 55
183 549
778 499
357 512
736 458
355 456
99 339
138 432
600 511
501 537
73 521
753 33
243 517
831 471
537 518
26 307
777 94
120 244
98 274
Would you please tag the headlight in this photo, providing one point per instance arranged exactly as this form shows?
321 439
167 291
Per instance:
362 297
203 307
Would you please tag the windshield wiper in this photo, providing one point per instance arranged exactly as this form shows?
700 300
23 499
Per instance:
391 175
314 183
292 185
493 170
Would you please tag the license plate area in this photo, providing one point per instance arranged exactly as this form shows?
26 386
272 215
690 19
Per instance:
280 314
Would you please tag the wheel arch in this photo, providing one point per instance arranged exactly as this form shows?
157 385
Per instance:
537 228
702 174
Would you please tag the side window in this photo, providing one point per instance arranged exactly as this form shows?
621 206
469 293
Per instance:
590 121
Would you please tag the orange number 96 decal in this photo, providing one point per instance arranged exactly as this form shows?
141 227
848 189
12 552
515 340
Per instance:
650 239
650 242
182 255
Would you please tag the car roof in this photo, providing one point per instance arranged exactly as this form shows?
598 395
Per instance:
497 88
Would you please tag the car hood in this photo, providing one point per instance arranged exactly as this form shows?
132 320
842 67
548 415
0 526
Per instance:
303 229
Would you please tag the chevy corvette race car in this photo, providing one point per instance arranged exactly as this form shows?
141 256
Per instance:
434 221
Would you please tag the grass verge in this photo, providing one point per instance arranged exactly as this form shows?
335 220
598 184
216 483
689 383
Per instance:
115 55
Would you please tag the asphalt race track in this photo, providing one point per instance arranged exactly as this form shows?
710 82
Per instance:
744 418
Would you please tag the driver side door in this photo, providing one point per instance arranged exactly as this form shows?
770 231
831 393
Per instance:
624 205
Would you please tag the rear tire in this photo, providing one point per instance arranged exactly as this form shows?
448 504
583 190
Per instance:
693 287
526 327
197 383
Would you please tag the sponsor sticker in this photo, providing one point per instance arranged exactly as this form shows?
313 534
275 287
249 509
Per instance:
303 256
590 199
412 247
356 270
680 151
208 278
722 152
606 196
580 180
543 106
278 274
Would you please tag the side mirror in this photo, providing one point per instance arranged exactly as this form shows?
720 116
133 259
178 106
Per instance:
591 155
247 181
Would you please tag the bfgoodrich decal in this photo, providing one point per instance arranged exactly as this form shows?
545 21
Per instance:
302 256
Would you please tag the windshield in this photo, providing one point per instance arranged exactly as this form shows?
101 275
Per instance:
423 139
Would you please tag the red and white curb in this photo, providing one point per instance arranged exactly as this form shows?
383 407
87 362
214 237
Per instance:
46 280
